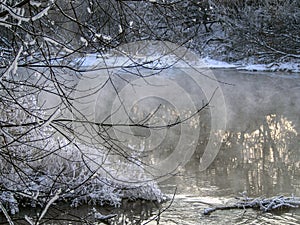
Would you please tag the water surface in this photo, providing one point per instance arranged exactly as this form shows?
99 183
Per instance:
259 156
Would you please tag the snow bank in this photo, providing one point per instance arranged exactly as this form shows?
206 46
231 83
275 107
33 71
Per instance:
275 67
214 64
96 61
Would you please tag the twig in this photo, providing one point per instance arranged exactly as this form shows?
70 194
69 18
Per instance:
52 200
6 214
160 212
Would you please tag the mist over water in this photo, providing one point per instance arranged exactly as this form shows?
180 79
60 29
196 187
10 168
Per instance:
259 152
256 95
262 122
262 131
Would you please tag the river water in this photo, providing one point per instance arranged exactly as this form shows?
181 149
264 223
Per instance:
259 156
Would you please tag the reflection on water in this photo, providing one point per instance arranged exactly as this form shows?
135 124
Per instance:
259 155
264 161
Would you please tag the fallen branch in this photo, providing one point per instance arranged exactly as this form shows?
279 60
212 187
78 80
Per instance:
263 204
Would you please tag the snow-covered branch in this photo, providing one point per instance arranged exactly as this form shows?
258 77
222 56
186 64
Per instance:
263 204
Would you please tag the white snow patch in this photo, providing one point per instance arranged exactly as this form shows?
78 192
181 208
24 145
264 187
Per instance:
120 29
84 41
274 67
287 66
212 63
156 61
89 10
35 3
97 61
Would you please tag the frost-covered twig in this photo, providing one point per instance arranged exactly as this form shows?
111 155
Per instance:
14 66
29 220
99 216
52 200
6 214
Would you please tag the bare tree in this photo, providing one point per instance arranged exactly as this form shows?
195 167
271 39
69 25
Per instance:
258 31
64 65
51 145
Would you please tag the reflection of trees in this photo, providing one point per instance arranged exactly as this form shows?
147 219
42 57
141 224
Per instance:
261 161
264 160
132 212
135 212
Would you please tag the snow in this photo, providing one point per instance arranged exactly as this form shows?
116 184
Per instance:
35 3
287 66
159 55
83 179
89 10
120 29
4 24
16 13
212 63
97 61
9 199
275 67
84 41
12 69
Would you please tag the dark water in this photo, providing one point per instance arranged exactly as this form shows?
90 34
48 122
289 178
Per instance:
259 155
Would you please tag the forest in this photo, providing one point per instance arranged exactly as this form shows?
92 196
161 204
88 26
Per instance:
66 134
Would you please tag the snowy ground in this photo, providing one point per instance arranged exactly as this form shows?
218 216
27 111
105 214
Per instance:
274 67
96 61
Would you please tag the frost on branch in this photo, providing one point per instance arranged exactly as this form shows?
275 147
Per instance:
36 161
263 204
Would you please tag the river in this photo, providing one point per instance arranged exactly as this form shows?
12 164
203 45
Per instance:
259 155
